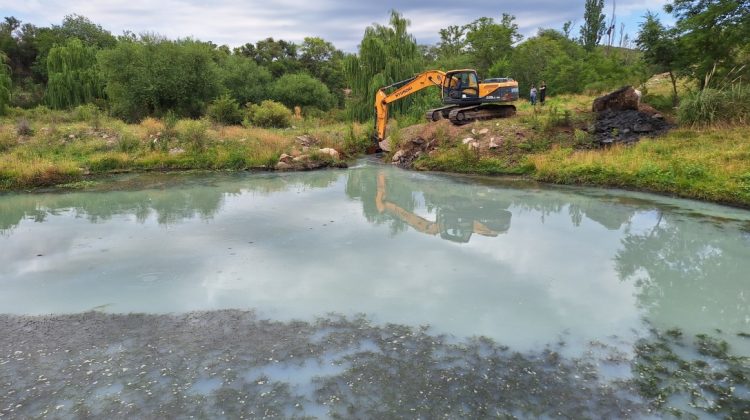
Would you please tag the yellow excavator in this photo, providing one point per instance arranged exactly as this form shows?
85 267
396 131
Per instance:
465 97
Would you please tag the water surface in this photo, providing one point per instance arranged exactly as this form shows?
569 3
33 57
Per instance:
572 281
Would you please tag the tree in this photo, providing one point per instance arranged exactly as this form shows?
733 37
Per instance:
660 49
489 42
280 57
73 76
5 83
244 80
301 90
324 62
712 34
387 54
593 24
155 75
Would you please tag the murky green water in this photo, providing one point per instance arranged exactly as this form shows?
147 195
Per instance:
599 298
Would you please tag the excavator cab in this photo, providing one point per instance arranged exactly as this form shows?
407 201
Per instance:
461 87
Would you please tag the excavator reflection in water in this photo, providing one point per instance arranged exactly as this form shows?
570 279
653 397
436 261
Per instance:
455 222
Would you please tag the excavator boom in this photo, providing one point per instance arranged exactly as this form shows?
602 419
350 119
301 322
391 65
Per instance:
404 89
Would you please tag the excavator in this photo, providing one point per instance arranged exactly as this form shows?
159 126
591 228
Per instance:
465 97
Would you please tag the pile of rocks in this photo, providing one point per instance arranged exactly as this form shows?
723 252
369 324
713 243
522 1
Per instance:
622 119
306 162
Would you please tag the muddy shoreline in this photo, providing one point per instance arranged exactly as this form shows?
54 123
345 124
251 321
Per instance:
233 364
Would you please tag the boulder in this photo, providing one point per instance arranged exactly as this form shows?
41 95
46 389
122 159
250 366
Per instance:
330 152
385 145
286 158
397 157
283 166
622 99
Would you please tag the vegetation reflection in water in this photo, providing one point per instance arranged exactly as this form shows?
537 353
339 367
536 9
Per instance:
687 268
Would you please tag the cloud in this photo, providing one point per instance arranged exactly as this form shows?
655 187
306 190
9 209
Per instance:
235 22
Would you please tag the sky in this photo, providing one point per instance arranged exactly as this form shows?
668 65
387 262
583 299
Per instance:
236 22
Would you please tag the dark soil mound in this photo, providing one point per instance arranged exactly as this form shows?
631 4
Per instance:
627 126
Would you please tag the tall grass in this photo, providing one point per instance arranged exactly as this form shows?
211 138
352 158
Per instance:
729 105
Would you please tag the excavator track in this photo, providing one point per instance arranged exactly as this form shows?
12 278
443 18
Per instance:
438 114
468 114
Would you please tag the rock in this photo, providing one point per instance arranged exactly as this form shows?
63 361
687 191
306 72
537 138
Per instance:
71 136
643 128
330 152
622 99
385 145
468 140
493 144
397 157
474 145
484 131
417 141
306 141
176 151
286 158
474 131
657 117
301 158
283 166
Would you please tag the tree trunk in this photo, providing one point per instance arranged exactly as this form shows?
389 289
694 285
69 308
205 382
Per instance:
675 99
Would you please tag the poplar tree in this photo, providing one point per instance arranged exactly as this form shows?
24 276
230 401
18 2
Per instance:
593 24
73 77
387 54
5 83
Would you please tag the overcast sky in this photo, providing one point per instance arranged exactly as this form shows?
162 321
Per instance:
235 22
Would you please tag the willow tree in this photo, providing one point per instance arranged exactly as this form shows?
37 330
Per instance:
387 54
4 83
73 77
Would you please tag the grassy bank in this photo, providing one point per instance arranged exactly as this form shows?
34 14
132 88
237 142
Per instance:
41 147
551 145
705 164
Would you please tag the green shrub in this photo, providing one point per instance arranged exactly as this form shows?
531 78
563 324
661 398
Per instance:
194 134
302 90
128 143
269 114
225 110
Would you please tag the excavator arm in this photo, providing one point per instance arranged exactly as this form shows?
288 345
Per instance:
403 89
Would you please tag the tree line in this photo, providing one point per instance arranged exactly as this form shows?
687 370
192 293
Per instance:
135 76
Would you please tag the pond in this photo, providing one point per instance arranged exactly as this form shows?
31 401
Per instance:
370 292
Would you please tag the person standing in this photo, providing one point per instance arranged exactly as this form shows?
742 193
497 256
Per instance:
542 92
532 95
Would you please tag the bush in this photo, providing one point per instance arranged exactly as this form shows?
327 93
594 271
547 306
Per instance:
128 143
269 114
194 134
302 90
225 110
